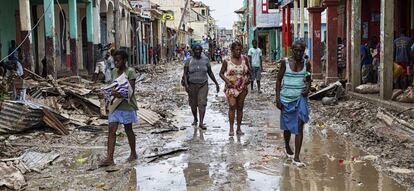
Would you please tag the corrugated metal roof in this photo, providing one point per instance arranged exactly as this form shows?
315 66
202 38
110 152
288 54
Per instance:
18 116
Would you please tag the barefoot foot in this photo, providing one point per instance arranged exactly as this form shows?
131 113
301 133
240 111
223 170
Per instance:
106 162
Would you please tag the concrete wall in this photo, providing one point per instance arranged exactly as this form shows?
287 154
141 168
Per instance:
7 25
265 20
175 6
200 30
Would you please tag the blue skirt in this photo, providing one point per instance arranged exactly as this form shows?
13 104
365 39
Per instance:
293 112
123 117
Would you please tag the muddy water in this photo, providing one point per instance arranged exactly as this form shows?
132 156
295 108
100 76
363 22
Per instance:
256 161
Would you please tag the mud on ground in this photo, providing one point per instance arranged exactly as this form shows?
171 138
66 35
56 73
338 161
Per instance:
356 121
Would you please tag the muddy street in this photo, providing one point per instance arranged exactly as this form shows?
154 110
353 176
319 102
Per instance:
256 160
173 155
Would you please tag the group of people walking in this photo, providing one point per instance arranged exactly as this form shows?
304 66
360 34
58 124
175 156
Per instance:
238 72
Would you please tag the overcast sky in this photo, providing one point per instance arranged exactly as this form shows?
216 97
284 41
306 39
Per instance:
224 11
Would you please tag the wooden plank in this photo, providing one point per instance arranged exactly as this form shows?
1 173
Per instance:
56 85
53 122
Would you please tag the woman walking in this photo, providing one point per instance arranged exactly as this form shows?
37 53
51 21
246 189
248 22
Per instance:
292 89
195 81
235 72
122 108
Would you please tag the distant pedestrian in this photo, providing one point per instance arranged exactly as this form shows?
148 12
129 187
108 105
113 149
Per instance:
122 109
109 66
402 46
235 72
255 58
197 69
292 88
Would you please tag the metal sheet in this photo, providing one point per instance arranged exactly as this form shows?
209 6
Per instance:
17 117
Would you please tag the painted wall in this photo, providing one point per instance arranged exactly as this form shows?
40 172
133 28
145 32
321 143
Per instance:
266 20
8 25
200 30
175 6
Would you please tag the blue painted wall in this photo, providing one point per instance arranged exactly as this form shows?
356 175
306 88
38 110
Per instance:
7 25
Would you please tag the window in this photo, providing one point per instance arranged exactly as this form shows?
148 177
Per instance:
265 7
273 4
203 12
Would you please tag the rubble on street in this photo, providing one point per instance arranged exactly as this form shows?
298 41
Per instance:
43 156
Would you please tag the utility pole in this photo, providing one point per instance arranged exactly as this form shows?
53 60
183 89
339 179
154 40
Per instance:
182 16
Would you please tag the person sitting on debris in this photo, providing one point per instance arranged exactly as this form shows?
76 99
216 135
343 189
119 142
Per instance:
195 78
292 88
236 72
122 110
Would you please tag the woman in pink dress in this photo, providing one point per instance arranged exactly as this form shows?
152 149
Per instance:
235 72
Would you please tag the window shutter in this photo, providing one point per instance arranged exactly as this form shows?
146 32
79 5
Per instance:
265 6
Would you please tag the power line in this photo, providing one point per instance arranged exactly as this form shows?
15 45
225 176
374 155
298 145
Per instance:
29 33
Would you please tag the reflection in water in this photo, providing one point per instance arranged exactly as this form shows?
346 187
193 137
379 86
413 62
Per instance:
197 176
217 162
323 173
260 181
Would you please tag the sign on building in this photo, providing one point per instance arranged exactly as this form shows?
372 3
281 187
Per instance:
168 17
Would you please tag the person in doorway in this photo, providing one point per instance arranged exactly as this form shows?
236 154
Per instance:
195 78
236 73
150 54
44 67
122 110
255 58
402 46
292 88
375 52
340 52
13 51
366 63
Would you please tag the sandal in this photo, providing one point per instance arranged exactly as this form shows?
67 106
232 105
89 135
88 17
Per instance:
298 164
289 156
231 134
106 163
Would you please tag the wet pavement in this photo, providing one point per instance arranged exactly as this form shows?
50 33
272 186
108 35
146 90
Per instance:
256 161
213 161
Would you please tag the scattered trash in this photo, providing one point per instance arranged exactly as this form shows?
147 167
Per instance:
331 101
11 174
333 90
81 160
396 93
407 96
159 155
161 131
18 116
367 89
149 116
38 161
401 170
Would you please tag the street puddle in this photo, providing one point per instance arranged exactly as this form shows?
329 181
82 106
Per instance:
334 164
254 161
261 181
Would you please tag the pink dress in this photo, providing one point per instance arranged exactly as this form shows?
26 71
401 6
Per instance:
238 75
